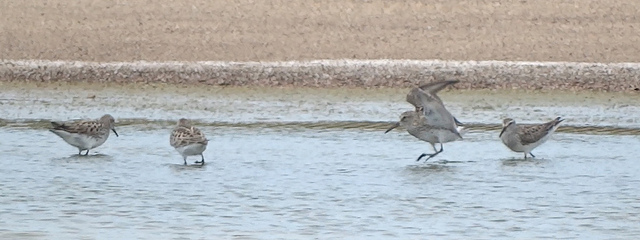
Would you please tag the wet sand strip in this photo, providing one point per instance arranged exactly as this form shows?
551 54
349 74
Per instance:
611 77
322 125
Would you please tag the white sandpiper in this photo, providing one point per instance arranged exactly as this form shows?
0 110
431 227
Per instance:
188 140
526 137
86 134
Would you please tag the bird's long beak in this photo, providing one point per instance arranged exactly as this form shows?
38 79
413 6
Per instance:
505 128
392 127
114 131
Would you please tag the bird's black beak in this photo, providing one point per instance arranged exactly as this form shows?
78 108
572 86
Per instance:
392 127
505 128
114 131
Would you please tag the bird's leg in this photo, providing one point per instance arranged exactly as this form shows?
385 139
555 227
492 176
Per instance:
79 152
437 152
531 154
185 160
87 153
202 161
433 154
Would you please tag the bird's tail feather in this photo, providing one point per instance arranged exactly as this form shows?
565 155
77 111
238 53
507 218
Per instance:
462 131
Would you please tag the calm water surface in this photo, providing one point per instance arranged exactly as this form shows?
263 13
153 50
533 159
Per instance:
298 183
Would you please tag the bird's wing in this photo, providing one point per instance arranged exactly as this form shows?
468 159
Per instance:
80 127
182 136
416 95
426 100
533 132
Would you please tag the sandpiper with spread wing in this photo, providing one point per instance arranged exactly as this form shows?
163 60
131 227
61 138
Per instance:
86 134
526 137
188 140
430 121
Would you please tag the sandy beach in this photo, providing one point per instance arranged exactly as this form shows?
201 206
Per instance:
247 30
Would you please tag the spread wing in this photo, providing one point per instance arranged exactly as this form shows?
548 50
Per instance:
81 127
416 95
426 100
534 132
182 136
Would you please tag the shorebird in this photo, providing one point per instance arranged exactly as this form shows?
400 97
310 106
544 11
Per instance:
526 137
188 140
430 121
86 134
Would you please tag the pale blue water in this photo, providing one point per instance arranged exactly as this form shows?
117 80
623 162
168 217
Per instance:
284 183
295 182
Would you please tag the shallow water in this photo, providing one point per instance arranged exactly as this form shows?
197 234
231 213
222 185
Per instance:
240 104
291 181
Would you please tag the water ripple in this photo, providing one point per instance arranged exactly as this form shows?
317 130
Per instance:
285 183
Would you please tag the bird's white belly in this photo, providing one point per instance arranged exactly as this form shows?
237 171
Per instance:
192 149
436 136
83 142
517 146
